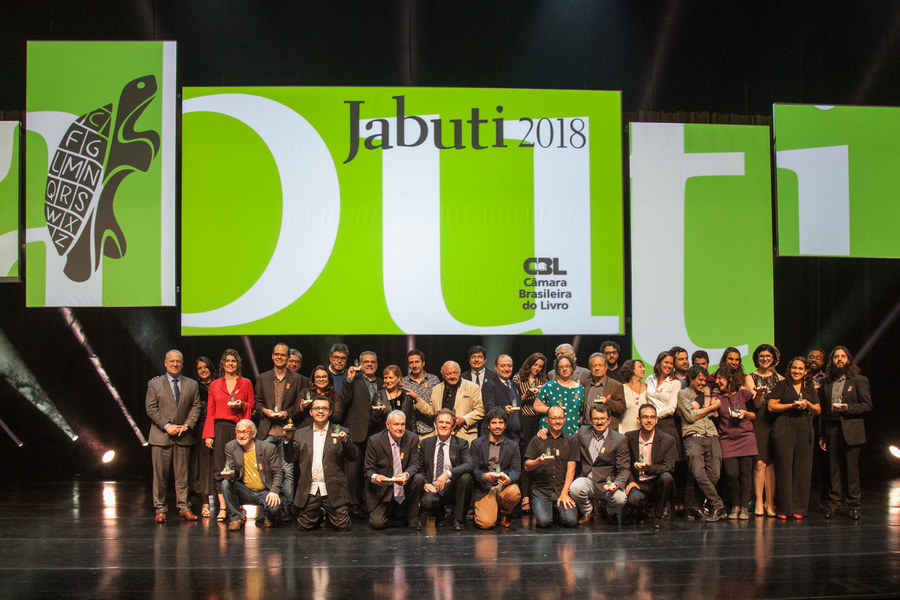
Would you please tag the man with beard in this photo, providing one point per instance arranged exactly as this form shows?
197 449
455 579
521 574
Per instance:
611 350
357 397
498 463
815 363
459 395
653 456
845 399
337 365
681 364
422 384
700 358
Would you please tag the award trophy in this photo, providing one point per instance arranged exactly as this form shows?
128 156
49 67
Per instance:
233 401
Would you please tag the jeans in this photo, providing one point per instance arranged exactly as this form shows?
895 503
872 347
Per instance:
287 488
583 491
237 494
543 505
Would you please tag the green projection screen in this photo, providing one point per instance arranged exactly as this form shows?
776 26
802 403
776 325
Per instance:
9 200
701 238
401 210
838 180
100 174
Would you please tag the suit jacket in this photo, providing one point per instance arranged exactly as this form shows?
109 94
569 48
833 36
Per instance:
612 461
510 461
457 452
662 459
160 404
580 374
334 455
858 399
357 406
468 405
380 461
615 402
270 465
265 398
488 375
495 394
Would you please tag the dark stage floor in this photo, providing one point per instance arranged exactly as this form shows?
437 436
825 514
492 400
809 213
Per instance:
98 540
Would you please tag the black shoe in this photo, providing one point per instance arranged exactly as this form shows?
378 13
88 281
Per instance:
439 521
716 515
694 512
667 514
854 514
458 525
828 512
414 525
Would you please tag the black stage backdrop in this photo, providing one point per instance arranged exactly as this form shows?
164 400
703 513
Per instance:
676 58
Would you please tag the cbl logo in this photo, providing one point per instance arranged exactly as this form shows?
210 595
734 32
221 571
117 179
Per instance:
542 266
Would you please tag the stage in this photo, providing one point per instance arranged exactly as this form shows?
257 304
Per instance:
94 539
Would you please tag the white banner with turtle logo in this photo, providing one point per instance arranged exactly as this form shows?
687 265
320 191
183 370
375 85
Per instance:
100 182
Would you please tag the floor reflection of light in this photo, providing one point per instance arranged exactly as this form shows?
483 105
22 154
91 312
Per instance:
109 500
894 503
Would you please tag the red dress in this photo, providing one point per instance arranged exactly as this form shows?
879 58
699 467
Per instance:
217 408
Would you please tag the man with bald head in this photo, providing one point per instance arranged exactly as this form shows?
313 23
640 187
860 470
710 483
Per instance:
461 396
173 405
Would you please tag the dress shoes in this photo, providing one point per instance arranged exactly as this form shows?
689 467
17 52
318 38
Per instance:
414 525
586 518
267 523
505 521
439 521
189 516
458 525
854 514
717 514
235 526
694 512
160 517
828 512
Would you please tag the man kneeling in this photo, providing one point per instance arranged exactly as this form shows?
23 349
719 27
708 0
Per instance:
497 466
552 460
254 475
653 456
323 449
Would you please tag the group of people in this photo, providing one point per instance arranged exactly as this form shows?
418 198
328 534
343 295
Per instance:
564 445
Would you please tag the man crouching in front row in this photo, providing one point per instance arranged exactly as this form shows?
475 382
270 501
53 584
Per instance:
498 463
254 475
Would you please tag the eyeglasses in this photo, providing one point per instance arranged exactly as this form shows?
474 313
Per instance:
243 432
319 408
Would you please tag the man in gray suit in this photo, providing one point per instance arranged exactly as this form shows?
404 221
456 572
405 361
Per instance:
173 405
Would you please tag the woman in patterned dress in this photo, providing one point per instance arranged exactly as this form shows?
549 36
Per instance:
564 392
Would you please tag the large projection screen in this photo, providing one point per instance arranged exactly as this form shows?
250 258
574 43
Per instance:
838 180
9 200
701 238
401 210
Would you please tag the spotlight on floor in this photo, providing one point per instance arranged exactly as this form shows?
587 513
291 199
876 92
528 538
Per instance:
108 456
895 451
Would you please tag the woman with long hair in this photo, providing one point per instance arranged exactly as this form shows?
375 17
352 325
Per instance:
230 400
321 383
632 372
202 481
530 379
793 401
761 382
662 392
736 437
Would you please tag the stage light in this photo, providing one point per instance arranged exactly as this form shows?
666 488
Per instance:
18 375
78 330
9 432
895 451
108 456
75 438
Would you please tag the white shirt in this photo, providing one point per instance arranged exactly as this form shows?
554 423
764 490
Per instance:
447 463
646 451
318 473
664 396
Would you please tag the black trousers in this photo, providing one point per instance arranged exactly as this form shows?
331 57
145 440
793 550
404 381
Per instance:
412 491
656 492
311 517
843 460
792 444
457 493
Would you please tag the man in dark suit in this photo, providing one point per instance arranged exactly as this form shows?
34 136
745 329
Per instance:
501 392
173 405
356 397
276 401
447 466
498 463
602 389
323 449
393 480
254 475
294 362
844 398
477 373
653 454
604 467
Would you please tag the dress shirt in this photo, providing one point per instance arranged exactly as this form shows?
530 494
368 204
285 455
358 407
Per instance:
318 473
646 451
447 464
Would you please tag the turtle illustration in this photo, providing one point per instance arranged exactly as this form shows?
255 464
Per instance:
96 153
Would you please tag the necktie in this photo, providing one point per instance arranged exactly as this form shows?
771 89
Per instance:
478 379
439 464
398 469
177 390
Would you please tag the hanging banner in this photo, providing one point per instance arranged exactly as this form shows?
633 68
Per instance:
401 210
838 181
9 200
100 194
701 238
